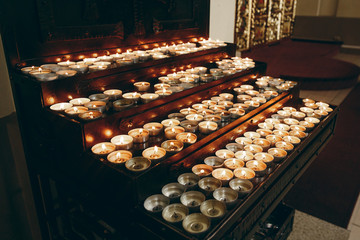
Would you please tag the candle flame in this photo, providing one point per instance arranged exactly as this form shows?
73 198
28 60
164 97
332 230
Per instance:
121 141
202 171
76 109
103 146
173 130
140 130
243 173
156 149
118 155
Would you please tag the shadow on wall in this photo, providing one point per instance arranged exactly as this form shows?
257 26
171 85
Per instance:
328 29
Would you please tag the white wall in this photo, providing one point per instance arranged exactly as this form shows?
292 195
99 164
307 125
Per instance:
6 99
316 7
222 20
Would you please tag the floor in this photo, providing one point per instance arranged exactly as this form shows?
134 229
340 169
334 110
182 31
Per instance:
311 228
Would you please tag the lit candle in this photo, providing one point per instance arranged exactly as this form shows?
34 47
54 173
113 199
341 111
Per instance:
171 132
142 86
244 155
103 148
90 115
208 102
154 128
96 105
186 137
217 107
59 107
280 133
226 96
278 154
243 141
187 111
259 167
172 146
281 126
291 121
265 157
194 117
223 174
284 145
233 163
307 125
244 173
27 70
298 115
273 139
207 127
66 73
243 98
139 135
164 92
132 95
265 125
251 135
122 142
75 111
298 134
312 120
161 86
154 153
272 121
199 106
170 122
149 97
113 94
253 148
81 68
79 101
224 154
226 104
66 63
202 170
263 143
119 157
264 132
